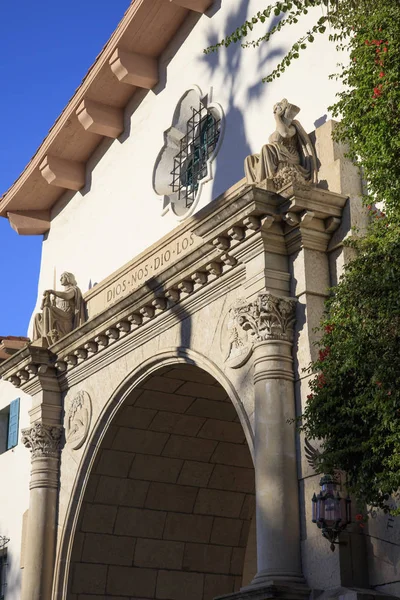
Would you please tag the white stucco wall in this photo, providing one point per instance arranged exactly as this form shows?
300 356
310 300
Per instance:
14 489
118 214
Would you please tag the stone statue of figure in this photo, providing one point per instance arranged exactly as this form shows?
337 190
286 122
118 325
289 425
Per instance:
62 311
289 156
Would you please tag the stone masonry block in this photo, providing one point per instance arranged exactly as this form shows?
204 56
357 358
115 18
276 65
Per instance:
226 532
212 409
179 585
222 431
237 561
116 464
187 528
202 390
176 423
138 440
122 492
99 518
140 522
218 503
227 477
189 448
129 580
248 507
155 468
195 473
91 597
218 585
162 384
164 401
232 454
133 416
159 554
89 579
108 549
170 497
207 558
190 373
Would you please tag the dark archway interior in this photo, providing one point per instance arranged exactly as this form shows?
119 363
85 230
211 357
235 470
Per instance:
167 509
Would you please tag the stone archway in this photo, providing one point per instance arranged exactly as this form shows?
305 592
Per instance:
168 504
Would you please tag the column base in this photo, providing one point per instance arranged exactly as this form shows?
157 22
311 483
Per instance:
284 590
296 591
345 593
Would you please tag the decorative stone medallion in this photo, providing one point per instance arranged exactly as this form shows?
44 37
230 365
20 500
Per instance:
78 419
236 342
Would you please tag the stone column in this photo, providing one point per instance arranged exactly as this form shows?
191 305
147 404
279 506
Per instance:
44 443
268 323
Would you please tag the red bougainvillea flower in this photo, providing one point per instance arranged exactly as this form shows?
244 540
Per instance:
324 353
310 396
329 328
381 74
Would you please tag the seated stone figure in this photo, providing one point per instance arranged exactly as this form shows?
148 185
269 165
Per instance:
289 156
63 311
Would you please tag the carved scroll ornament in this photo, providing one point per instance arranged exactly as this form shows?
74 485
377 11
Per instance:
42 440
269 317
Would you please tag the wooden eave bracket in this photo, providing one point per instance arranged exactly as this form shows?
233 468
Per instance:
134 69
59 172
100 118
30 222
197 5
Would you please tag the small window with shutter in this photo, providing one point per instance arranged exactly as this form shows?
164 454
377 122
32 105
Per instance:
9 426
13 424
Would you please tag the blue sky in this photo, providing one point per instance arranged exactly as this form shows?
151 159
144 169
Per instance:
46 48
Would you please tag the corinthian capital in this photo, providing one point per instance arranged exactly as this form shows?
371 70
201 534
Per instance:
42 440
268 317
275 318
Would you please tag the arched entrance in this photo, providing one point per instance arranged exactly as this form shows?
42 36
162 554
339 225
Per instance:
168 504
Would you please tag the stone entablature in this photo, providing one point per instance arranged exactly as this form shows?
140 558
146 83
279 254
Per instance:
228 233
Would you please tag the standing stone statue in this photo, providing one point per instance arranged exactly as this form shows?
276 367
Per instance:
61 311
289 156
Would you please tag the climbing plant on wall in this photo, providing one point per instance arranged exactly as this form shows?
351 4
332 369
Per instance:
354 400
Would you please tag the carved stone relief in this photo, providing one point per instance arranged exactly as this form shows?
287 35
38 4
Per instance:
43 440
78 419
268 317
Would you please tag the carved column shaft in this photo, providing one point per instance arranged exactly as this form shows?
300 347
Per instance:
277 502
44 442
265 327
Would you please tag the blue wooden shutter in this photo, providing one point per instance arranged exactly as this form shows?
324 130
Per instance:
13 424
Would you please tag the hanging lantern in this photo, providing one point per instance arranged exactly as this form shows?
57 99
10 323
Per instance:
330 511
